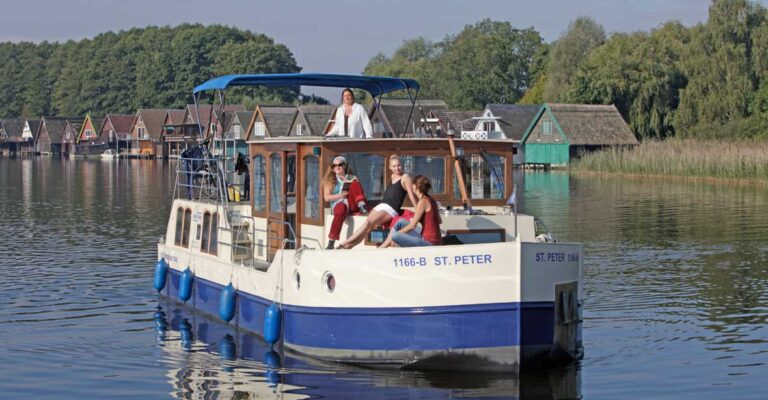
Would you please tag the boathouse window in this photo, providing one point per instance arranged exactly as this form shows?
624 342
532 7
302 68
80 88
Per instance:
483 176
369 169
546 127
275 183
259 184
258 128
299 130
186 228
179 226
431 167
209 242
311 185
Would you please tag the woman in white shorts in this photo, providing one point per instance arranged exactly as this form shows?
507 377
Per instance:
390 205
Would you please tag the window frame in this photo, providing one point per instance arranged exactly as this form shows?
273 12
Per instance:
263 212
210 237
303 182
186 224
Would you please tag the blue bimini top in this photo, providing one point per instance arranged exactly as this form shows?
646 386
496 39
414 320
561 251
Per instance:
375 85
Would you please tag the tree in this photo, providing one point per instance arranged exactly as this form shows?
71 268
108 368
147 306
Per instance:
640 74
489 62
717 63
567 55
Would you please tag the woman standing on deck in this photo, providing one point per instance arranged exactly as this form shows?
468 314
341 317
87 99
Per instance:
390 205
351 119
407 233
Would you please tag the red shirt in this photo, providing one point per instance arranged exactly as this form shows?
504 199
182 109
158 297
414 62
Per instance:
430 224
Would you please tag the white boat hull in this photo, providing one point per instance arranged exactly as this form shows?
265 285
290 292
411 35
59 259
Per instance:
479 307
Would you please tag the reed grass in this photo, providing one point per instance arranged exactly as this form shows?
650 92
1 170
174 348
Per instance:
714 158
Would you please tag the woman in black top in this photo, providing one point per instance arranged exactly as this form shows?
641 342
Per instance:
390 205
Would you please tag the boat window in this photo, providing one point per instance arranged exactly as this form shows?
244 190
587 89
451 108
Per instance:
179 226
214 242
369 169
431 167
206 228
187 224
483 176
259 184
311 184
275 184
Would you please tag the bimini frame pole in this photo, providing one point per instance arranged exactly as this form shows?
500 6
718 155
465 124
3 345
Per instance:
414 98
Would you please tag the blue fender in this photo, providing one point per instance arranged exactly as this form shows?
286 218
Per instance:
272 321
161 274
185 285
227 303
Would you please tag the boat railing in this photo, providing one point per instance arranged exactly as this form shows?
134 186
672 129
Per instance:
209 179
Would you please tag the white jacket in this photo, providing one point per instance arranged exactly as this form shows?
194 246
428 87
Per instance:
359 124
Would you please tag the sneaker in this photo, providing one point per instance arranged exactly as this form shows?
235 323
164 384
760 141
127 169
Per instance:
362 209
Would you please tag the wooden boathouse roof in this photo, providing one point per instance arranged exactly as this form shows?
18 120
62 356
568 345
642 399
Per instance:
513 119
588 124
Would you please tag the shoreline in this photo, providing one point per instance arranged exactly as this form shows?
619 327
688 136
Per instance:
695 179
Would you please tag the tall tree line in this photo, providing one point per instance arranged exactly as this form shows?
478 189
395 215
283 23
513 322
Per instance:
153 67
709 80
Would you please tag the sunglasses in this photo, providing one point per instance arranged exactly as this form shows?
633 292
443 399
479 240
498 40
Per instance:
339 165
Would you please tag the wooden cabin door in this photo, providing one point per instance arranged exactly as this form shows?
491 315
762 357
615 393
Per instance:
281 204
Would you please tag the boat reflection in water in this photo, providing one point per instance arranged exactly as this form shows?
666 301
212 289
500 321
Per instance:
210 359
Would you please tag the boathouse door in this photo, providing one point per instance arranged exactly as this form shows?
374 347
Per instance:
281 206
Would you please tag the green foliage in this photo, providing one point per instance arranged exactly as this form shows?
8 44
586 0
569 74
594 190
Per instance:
535 95
640 74
718 64
488 62
153 67
568 53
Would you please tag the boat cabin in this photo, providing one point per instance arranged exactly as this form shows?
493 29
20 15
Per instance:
274 199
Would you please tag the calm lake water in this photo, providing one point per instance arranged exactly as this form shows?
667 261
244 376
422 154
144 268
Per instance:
676 285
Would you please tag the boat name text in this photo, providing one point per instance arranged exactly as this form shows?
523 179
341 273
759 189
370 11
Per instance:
168 257
557 257
467 259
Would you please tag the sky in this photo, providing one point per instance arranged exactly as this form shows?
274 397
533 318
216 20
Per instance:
335 36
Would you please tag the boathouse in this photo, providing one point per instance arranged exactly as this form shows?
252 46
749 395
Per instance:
312 120
72 129
234 134
399 117
28 134
503 121
271 121
48 139
443 122
88 143
560 132
11 136
176 136
146 132
114 131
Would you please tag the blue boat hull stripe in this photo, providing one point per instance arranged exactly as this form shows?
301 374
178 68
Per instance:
416 328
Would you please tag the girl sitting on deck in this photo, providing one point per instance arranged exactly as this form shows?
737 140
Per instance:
344 192
406 233
391 203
